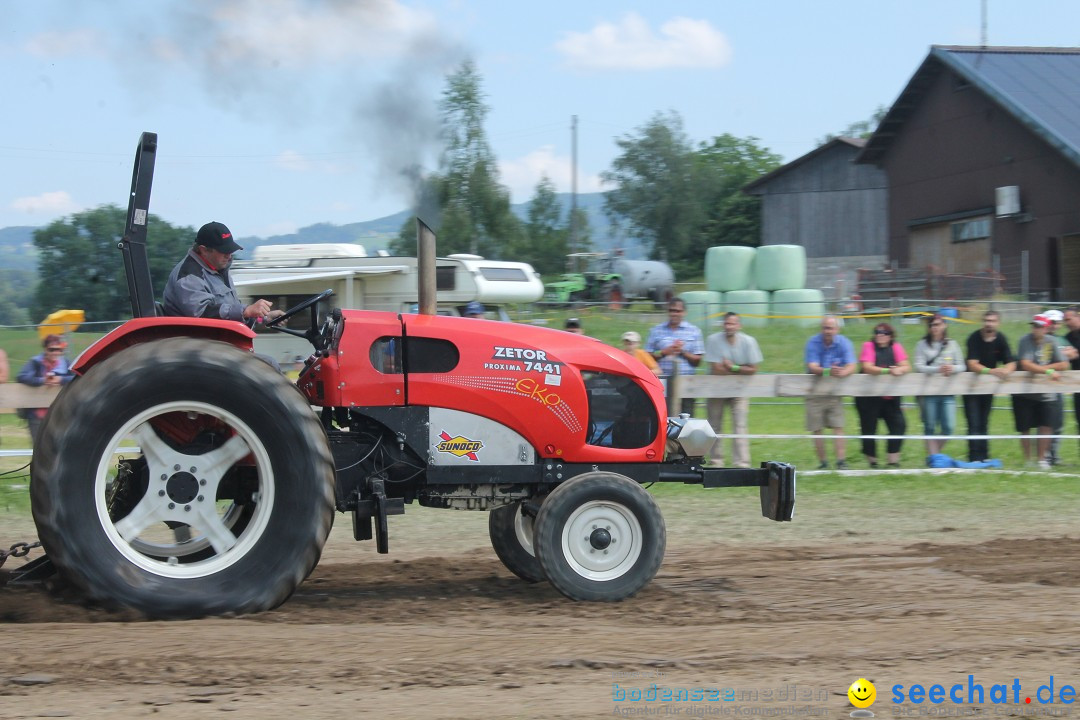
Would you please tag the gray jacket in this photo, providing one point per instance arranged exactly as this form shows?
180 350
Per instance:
197 290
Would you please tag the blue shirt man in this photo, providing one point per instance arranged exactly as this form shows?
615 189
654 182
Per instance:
677 341
828 354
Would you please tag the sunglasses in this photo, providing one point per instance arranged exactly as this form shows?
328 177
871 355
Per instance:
56 349
883 332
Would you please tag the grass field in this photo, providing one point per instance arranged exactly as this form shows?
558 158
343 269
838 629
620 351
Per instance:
782 346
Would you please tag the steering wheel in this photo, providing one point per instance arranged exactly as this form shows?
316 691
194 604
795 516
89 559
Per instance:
312 333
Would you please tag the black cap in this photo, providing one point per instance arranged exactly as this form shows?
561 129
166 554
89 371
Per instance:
216 236
572 323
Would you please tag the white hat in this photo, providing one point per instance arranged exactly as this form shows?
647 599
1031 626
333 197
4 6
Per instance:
631 336
1054 316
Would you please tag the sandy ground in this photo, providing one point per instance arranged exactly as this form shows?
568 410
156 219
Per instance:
779 619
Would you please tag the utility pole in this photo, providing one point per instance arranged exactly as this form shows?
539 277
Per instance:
573 184
984 23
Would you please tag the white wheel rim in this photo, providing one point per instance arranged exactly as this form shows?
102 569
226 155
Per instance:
593 524
523 530
183 497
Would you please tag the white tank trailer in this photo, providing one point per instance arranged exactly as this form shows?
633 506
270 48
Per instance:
645 279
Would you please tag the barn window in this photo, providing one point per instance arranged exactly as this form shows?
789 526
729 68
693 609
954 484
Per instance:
968 230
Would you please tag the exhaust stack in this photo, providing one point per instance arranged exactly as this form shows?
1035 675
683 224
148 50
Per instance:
425 268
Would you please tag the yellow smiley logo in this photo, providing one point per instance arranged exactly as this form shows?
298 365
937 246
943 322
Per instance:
862 693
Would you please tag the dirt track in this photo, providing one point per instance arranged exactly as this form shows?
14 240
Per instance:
439 629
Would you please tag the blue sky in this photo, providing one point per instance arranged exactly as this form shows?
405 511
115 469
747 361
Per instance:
276 114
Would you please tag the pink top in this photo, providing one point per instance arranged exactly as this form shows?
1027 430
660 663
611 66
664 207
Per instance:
869 353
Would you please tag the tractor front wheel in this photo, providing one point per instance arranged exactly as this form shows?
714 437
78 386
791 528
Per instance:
183 478
599 536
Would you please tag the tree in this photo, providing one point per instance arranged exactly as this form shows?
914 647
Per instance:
861 129
655 193
583 230
473 208
544 243
723 168
16 295
79 266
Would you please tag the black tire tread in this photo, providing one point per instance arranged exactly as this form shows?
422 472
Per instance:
91 401
561 502
505 543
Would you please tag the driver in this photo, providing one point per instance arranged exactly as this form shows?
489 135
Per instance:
199 286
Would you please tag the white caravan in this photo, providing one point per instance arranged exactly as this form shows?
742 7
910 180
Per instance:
287 274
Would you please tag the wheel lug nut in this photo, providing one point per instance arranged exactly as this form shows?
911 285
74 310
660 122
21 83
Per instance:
164 476
187 508
172 506
200 498
175 467
161 493
202 482
192 470
605 552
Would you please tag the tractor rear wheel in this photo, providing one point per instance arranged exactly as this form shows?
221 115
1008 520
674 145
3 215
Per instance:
183 478
511 532
599 536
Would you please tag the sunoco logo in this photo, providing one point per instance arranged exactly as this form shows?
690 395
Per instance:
459 446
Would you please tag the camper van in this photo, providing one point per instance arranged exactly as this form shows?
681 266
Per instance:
287 274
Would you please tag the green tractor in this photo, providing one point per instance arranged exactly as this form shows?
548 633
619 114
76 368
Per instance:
590 278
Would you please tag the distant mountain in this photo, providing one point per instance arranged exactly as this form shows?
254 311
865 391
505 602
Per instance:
377 234
17 250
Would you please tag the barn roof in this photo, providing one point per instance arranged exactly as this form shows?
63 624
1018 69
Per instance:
767 177
1039 87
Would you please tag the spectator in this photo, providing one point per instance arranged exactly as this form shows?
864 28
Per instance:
49 369
882 355
474 309
631 343
1056 318
677 345
828 354
731 352
1038 355
199 286
573 325
1072 322
936 353
988 353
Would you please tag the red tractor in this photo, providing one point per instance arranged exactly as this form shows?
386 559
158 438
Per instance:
182 476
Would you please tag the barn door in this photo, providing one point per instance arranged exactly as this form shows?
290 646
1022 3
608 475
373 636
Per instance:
1070 268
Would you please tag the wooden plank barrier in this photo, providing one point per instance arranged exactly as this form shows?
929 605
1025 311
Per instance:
861 385
761 385
17 395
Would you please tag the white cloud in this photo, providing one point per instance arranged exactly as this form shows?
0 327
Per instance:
49 203
84 41
523 174
632 45
292 161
